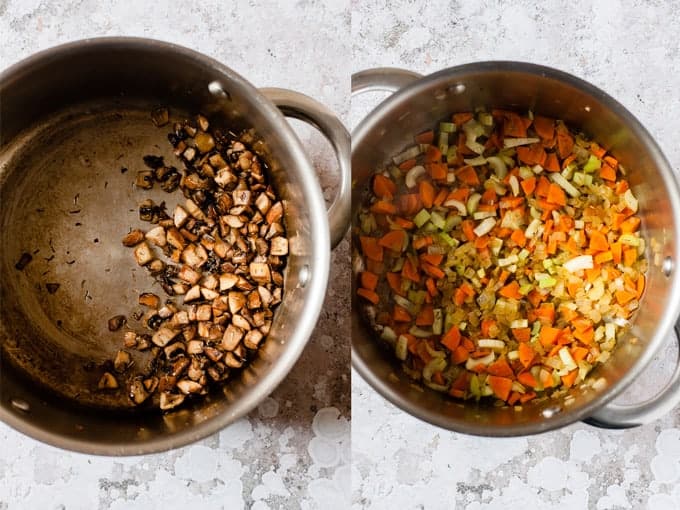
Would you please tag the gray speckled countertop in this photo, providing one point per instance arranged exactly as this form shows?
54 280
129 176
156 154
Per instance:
292 452
631 50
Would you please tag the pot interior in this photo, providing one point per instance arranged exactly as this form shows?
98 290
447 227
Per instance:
390 129
71 123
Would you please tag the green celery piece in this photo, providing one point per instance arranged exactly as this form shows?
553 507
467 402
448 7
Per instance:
421 218
593 164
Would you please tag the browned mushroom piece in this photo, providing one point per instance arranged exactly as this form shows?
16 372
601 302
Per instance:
107 382
133 238
149 299
160 116
122 361
170 400
138 392
116 322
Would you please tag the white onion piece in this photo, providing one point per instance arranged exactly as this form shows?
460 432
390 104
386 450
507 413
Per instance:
515 142
578 263
458 205
413 175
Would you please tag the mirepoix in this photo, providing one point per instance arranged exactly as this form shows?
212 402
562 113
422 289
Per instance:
219 259
501 256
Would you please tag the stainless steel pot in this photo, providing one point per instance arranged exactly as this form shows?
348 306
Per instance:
417 104
71 118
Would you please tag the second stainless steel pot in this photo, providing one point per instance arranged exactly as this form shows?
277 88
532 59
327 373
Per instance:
417 104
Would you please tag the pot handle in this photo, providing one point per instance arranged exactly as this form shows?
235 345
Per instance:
302 107
616 416
388 79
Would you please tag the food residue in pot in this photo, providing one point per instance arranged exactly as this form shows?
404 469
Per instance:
501 256
219 257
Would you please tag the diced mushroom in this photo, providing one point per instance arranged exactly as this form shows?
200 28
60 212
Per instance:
193 294
204 313
209 294
150 384
254 300
149 299
240 322
187 386
144 179
122 361
233 361
232 221
275 213
157 236
143 254
259 272
227 281
241 197
133 238
143 342
217 161
116 322
138 393
232 337
204 142
265 295
130 339
160 117
188 275
175 238
195 347
156 266
225 177
163 336
170 400
189 154
279 246
180 319
194 210
107 382
263 203
194 255
210 282
252 339
236 301
172 351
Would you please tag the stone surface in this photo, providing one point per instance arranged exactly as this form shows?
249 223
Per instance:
399 462
263 461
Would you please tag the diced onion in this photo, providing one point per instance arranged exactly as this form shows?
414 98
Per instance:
401 348
472 363
498 165
578 263
412 176
516 142
478 161
490 343
630 200
409 153
485 227
457 204
565 185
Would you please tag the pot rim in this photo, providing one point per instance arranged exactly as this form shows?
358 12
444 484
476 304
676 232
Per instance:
447 77
316 282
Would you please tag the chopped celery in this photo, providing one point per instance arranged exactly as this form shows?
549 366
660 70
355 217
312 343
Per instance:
401 348
473 202
421 218
438 321
525 289
443 142
592 164
630 239
525 172
448 239
478 161
447 127
438 221
452 221
579 178
451 155
545 283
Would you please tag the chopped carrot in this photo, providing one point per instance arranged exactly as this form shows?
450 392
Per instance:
489 197
404 223
623 296
640 286
431 287
451 339
384 187
427 194
369 295
410 272
544 127
621 187
511 202
607 173
433 154
533 154
528 185
383 207
487 325
545 313
501 386
374 266
556 195
467 288
542 187
569 378
579 353
586 336
407 165
501 368
370 248
433 271
565 142
522 334
438 378
460 194
548 335
527 379
552 164
409 204
394 240
598 241
631 225
459 297
461 118
514 397
511 291
368 280
422 242
438 171
629 256
400 314
394 281
426 316
425 137
598 151
468 227
432 258
441 196
467 175
513 125
529 395
526 354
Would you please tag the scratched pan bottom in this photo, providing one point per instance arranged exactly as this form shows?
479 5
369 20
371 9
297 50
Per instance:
67 199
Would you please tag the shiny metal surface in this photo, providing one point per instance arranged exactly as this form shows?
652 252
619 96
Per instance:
416 107
72 117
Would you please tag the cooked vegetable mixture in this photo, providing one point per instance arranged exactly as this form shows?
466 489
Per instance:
501 256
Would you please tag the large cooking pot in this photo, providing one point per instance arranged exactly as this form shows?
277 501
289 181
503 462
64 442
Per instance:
71 118
417 104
